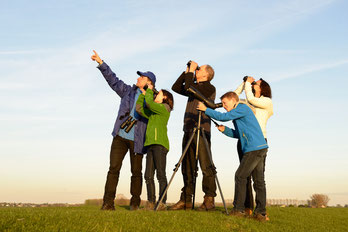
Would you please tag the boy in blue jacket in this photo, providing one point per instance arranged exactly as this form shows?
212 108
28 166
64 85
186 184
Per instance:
254 147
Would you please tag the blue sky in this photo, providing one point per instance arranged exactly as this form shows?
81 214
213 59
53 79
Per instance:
57 112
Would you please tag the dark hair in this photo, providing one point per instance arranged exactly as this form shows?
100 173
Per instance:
230 95
265 89
168 98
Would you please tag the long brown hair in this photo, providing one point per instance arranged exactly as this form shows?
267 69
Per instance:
265 89
168 98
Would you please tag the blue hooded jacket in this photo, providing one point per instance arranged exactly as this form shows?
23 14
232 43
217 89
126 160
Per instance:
127 94
247 128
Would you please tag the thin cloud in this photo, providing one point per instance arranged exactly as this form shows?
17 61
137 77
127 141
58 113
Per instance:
23 52
306 70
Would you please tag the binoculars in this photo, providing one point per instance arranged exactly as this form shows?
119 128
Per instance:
128 124
155 91
189 64
245 79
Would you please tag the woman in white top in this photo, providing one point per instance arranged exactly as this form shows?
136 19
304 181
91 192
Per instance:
259 95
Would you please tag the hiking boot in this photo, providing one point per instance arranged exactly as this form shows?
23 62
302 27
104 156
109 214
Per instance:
149 205
261 217
181 205
162 207
107 207
207 205
237 213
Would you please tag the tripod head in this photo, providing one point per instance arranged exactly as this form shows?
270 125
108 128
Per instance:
199 96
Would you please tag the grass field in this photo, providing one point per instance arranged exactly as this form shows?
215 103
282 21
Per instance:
90 218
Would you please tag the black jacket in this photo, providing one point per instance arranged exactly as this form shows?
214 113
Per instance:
191 114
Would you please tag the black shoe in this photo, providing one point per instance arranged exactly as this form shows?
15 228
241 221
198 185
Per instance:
107 207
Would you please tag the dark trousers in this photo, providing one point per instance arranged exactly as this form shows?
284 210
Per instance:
156 160
189 165
119 149
252 163
249 198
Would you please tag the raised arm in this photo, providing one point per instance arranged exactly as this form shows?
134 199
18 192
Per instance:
153 106
114 82
240 89
179 85
264 102
139 107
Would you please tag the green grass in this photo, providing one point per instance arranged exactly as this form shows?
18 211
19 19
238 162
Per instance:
90 218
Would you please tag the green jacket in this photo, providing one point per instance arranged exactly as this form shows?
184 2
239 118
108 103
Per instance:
158 115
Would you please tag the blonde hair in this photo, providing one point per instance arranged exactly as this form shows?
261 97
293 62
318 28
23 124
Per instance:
230 95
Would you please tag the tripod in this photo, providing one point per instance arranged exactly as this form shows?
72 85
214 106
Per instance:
197 130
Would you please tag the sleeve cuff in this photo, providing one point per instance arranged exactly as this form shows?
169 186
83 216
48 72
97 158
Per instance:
101 66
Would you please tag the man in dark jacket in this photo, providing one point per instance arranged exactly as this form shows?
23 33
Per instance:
199 78
125 138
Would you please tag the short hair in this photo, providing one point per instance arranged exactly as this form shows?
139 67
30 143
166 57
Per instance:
210 72
230 95
168 98
265 89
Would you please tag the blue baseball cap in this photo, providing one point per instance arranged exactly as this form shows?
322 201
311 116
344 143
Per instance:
148 74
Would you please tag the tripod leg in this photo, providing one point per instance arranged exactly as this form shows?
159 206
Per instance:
214 169
176 168
195 174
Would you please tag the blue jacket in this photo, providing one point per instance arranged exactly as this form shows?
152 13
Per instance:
247 128
127 94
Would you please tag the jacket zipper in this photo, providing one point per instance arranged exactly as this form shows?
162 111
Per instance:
155 134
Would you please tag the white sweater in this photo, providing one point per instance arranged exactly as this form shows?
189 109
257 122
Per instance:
263 105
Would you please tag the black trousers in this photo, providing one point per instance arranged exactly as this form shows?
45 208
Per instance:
156 159
119 149
188 168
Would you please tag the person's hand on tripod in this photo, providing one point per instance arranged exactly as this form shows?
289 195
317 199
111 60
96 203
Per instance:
201 107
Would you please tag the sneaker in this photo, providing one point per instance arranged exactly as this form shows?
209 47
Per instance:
261 217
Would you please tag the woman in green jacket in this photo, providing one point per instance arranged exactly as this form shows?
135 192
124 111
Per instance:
156 140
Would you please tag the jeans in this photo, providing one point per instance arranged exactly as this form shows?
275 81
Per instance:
249 198
189 164
156 160
119 149
252 163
